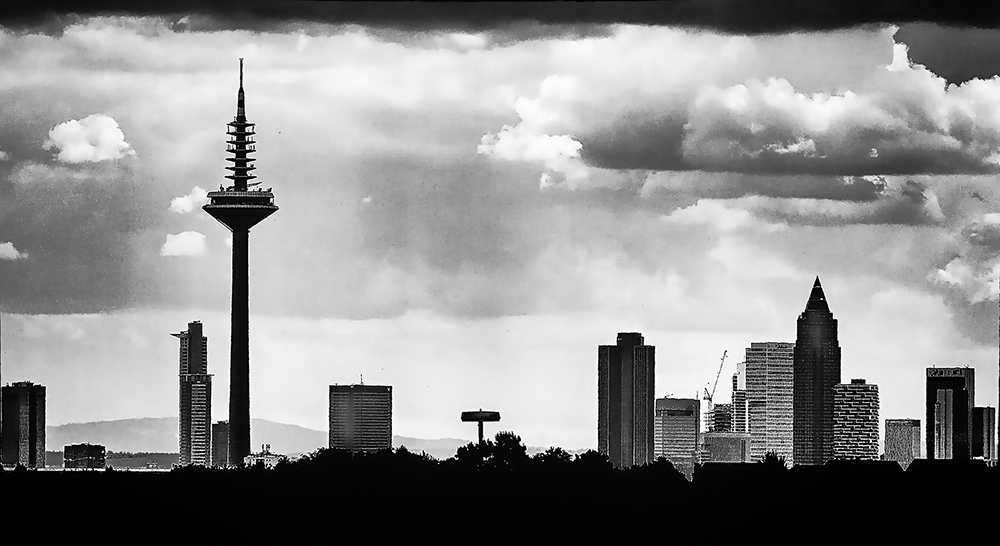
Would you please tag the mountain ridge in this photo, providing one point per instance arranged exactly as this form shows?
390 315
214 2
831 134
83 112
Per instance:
160 435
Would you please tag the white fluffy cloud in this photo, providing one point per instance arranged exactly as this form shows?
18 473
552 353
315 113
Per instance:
186 243
3 155
94 138
8 252
189 202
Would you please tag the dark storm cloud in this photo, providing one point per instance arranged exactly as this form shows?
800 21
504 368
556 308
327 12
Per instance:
956 54
76 225
733 16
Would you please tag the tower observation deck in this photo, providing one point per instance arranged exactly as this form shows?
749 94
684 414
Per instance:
239 207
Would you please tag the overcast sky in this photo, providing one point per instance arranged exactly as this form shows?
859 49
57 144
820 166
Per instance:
472 201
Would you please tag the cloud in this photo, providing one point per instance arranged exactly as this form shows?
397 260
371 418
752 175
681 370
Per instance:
4 155
186 243
885 115
736 16
8 252
716 214
94 138
189 202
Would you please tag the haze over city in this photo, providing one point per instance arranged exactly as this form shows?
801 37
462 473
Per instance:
469 210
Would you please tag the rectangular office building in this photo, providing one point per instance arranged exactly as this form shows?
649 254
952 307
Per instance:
951 393
23 423
625 400
360 417
769 384
984 426
677 432
855 420
84 456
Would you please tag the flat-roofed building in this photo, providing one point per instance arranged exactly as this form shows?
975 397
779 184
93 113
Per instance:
855 420
360 417
769 385
84 456
677 434
23 422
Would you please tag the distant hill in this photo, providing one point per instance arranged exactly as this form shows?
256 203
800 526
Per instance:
159 435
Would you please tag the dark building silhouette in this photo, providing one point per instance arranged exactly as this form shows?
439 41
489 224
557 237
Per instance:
816 369
84 456
950 396
23 416
220 444
902 441
625 399
240 207
360 417
984 422
855 420
195 413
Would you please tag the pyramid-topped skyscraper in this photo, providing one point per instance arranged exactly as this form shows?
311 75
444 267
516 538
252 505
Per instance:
815 371
240 207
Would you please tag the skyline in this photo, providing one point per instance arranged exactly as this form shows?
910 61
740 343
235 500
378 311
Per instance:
501 205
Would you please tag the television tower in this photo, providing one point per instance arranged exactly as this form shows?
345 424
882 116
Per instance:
240 207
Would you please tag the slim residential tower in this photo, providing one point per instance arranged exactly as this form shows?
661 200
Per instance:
240 207
816 370
360 417
195 413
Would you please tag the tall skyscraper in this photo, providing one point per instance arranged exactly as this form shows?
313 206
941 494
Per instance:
816 371
950 396
984 423
195 422
741 417
902 441
220 444
677 435
240 207
23 417
769 399
855 420
360 417
625 383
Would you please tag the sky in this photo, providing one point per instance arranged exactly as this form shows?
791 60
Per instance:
473 198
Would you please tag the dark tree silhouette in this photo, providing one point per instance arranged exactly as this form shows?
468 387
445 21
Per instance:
553 456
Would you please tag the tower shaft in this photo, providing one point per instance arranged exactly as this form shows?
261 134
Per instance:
239 368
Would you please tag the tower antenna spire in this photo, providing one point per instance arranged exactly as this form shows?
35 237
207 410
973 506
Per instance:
241 72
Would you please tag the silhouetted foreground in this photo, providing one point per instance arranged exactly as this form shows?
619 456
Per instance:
497 491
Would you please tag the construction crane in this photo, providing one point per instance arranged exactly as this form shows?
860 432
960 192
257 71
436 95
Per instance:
709 415
708 395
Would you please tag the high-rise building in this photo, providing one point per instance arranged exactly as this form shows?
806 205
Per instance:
195 422
625 383
984 422
725 447
240 207
23 417
816 371
951 393
855 420
360 417
84 456
769 399
902 441
677 435
741 416
722 418
220 444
